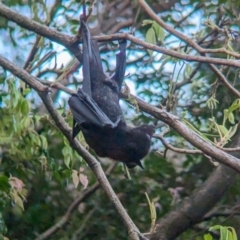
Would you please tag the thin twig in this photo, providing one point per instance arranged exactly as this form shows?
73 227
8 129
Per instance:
66 130
194 45
70 42
178 150
65 218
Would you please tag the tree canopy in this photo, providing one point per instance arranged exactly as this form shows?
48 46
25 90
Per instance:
182 77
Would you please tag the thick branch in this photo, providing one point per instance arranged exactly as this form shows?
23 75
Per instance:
181 36
196 206
171 120
185 132
70 42
194 45
66 130
193 209
35 26
189 135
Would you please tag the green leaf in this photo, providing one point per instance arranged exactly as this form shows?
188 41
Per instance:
212 103
150 38
37 119
188 71
225 116
223 233
152 211
14 195
24 107
67 160
5 139
234 235
4 184
67 153
207 236
223 129
159 32
19 202
226 233
14 124
26 91
235 105
233 130
183 114
147 22
35 138
44 143
25 123
231 118
229 235
216 227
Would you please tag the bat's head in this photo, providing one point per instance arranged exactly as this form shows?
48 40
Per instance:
138 144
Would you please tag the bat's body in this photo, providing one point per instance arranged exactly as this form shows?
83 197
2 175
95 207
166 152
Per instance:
122 143
97 113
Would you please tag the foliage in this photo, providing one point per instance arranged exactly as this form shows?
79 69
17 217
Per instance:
41 175
225 233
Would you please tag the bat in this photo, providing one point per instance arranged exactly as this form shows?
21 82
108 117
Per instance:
97 113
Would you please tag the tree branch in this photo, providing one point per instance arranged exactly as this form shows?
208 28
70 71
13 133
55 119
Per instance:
86 194
193 209
71 42
200 50
189 135
66 130
183 130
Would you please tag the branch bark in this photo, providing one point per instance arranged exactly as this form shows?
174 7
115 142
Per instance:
66 130
189 135
193 209
190 211
194 45
182 129
71 42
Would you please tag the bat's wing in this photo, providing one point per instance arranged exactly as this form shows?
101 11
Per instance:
83 107
120 64
86 110
96 59
87 55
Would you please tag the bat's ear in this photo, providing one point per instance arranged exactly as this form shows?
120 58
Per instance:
139 164
134 164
